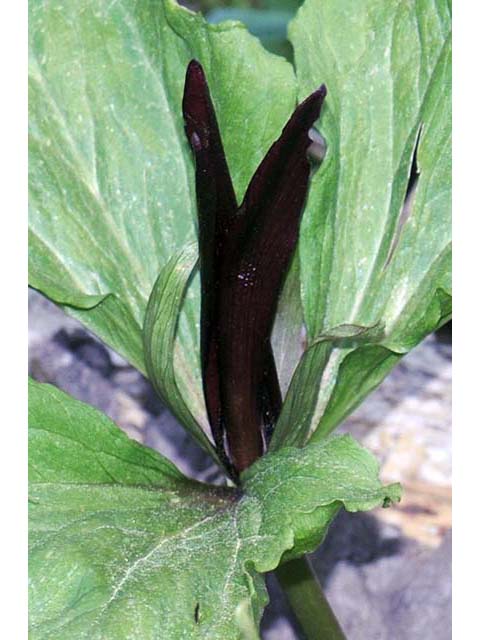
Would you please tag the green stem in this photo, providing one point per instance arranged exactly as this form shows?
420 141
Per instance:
308 601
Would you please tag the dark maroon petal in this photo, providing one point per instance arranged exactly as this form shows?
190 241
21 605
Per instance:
244 256
254 271
216 207
274 183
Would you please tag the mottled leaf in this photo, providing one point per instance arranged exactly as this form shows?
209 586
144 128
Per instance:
123 546
112 195
161 319
369 255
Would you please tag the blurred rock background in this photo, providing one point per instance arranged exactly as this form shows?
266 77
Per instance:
387 572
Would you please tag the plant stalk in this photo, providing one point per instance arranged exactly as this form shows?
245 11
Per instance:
308 601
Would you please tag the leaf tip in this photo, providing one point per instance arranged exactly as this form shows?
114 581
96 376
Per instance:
394 495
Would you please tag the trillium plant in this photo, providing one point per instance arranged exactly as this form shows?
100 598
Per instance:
181 210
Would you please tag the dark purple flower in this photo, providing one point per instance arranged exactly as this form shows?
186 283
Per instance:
245 252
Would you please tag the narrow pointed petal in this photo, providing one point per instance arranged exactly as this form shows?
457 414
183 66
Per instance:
253 275
281 180
244 256
216 208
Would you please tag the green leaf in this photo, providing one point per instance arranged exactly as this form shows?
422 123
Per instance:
360 372
287 334
159 331
387 70
352 333
71 442
123 546
111 182
269 25
366 260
